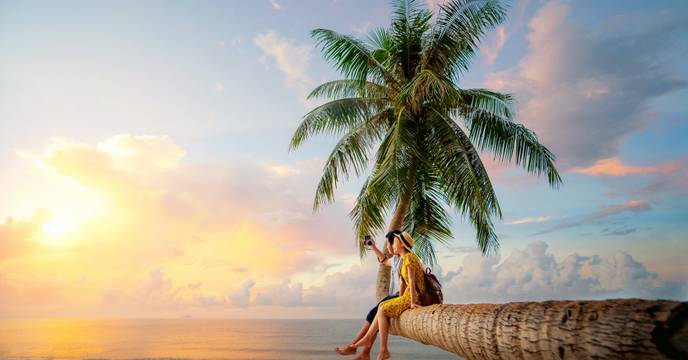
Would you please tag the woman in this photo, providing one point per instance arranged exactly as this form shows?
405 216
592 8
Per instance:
412 286
394 261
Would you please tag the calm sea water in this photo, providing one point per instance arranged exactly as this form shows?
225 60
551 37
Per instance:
191 339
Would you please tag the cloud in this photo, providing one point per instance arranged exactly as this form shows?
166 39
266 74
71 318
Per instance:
434 5
663 178
276 5
533 274
237 40
528 274
614 167
492 49
219 87
196 223
599 216
673 181
241 296
584 91
532 219
362 28
281 295
17 237
292 60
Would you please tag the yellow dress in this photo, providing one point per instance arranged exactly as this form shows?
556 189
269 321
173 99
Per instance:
394 307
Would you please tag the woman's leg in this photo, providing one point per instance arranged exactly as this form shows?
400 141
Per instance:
383 324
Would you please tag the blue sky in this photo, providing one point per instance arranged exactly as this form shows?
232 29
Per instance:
219 87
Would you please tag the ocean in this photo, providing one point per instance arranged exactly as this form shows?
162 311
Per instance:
191 339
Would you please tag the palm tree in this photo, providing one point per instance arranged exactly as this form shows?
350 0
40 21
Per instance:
400 100
400 111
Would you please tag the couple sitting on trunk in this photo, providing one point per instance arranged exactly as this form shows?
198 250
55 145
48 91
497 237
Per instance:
410 288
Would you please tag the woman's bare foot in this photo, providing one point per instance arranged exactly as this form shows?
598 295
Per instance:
365 355
348 349
383 355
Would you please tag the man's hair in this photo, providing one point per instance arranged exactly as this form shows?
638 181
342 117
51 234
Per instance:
390 235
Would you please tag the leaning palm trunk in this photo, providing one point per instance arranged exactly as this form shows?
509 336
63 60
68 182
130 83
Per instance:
383 272
606 329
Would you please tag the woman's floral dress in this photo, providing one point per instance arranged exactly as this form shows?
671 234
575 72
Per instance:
394 307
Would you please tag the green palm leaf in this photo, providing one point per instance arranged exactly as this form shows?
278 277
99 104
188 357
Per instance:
398 103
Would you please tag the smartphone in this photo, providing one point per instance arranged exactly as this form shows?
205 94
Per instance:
368 240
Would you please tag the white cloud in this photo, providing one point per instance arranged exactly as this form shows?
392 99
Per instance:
494 47
276 5
533 274
241 296
281 295
531 219
362 28
219 87
237 40
529 274
292 60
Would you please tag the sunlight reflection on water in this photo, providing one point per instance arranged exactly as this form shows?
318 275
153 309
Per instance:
190 339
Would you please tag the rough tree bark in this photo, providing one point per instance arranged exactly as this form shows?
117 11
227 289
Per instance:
576 329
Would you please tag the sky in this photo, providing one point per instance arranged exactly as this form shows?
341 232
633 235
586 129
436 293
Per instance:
146 171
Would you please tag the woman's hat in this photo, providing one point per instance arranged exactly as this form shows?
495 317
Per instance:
406 240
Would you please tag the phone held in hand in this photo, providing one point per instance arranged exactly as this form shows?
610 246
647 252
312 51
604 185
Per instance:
368 240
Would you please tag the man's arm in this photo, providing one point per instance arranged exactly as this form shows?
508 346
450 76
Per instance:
380 256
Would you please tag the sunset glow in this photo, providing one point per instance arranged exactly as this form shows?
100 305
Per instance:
146 168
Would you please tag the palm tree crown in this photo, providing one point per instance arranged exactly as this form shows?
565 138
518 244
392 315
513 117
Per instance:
398 110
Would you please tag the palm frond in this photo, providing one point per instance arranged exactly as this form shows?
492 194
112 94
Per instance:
457 32
510 141
335 117
382 45
427 218
352 57
465 181
427 86
399 93
350 153
338 89
410 20
491 102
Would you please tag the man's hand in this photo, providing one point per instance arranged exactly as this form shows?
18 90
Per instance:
379 254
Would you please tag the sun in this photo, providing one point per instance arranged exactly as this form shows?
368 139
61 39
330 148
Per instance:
57 227
68 218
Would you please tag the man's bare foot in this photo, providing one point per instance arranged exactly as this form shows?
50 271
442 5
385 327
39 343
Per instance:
383 355
348 349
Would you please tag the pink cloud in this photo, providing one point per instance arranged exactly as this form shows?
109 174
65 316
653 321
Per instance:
600 216
635 206
614 167
573 85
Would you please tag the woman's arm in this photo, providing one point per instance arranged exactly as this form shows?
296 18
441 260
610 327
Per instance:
412 285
